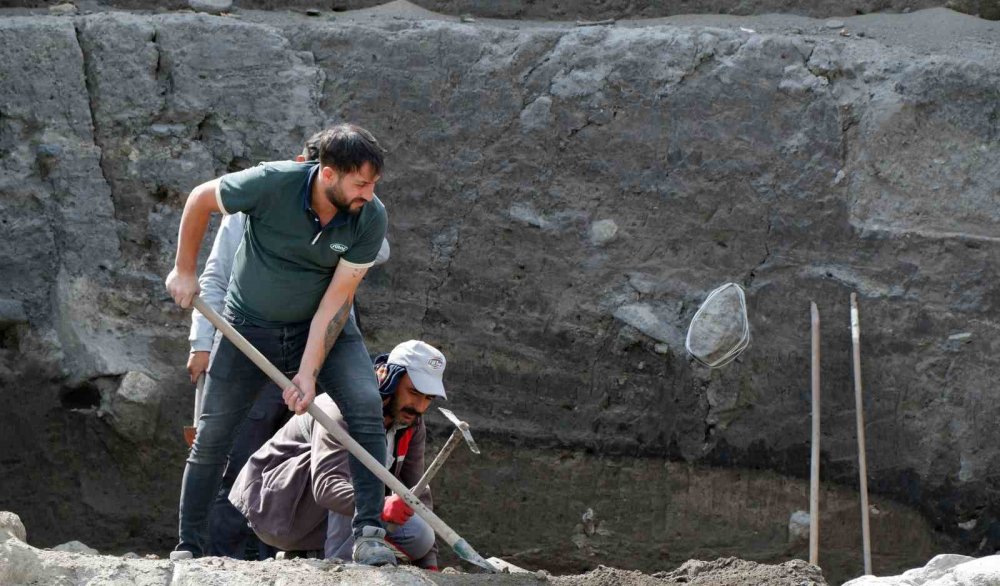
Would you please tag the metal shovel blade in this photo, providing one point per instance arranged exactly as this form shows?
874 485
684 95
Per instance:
462 426
465 551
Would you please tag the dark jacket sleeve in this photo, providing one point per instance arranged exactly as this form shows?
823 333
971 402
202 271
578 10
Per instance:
331 473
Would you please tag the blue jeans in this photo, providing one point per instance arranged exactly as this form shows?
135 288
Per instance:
230 389
229 532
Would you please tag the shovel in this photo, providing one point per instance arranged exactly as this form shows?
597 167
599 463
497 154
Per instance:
461 547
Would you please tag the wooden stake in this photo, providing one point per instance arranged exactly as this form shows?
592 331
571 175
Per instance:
814 478
862 459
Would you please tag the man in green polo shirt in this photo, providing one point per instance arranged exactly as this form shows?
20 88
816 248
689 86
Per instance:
312 232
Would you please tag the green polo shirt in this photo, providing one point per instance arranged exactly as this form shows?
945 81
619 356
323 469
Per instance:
286 260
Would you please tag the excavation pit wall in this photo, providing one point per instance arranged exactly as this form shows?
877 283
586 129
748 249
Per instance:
560 198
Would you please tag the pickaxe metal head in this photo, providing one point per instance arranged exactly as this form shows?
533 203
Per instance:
463 427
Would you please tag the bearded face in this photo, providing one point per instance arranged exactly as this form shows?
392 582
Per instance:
401 415
335 195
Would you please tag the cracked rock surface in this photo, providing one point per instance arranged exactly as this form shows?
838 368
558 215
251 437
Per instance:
799 162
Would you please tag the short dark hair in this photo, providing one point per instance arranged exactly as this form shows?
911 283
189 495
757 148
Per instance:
311 149
347 148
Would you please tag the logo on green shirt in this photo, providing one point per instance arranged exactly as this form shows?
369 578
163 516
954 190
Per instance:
338 247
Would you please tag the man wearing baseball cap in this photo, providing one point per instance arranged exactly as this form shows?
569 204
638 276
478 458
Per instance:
296 490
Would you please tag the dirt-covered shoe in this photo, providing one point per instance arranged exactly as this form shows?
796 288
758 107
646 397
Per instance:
370 548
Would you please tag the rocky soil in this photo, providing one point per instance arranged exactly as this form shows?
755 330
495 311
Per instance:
24 565
561 199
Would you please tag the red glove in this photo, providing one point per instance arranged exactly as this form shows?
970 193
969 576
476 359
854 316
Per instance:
396 511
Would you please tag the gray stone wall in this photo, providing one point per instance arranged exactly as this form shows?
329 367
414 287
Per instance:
560 199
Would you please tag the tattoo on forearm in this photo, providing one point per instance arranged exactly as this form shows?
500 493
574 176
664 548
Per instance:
336 325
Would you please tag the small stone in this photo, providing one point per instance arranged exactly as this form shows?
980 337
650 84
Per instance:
603 232
450 570
839 178
962 337
798 527
152 556
211 6
337 568
12 525
907 10
661 348
313 12
589 522
467 18
48 150
178 130
542 575
63 9
652 320
834 24
76 547
968 525
130 556
526 214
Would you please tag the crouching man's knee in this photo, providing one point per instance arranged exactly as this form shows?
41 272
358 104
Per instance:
415 538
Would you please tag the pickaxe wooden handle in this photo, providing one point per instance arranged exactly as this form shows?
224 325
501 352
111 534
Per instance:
461 432
432 470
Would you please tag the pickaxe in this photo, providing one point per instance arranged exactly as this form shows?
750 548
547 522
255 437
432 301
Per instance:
461 432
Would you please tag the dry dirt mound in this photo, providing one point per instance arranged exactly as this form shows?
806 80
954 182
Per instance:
737 572
721 572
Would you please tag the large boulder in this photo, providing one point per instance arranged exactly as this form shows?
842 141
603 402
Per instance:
943 570
11 526
133 407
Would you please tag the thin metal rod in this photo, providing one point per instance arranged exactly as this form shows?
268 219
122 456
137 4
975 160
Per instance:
862 458
814 476
461 547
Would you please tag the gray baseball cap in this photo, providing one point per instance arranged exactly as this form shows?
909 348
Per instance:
424 363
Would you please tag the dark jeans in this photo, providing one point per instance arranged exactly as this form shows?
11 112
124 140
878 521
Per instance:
230 389
229 533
